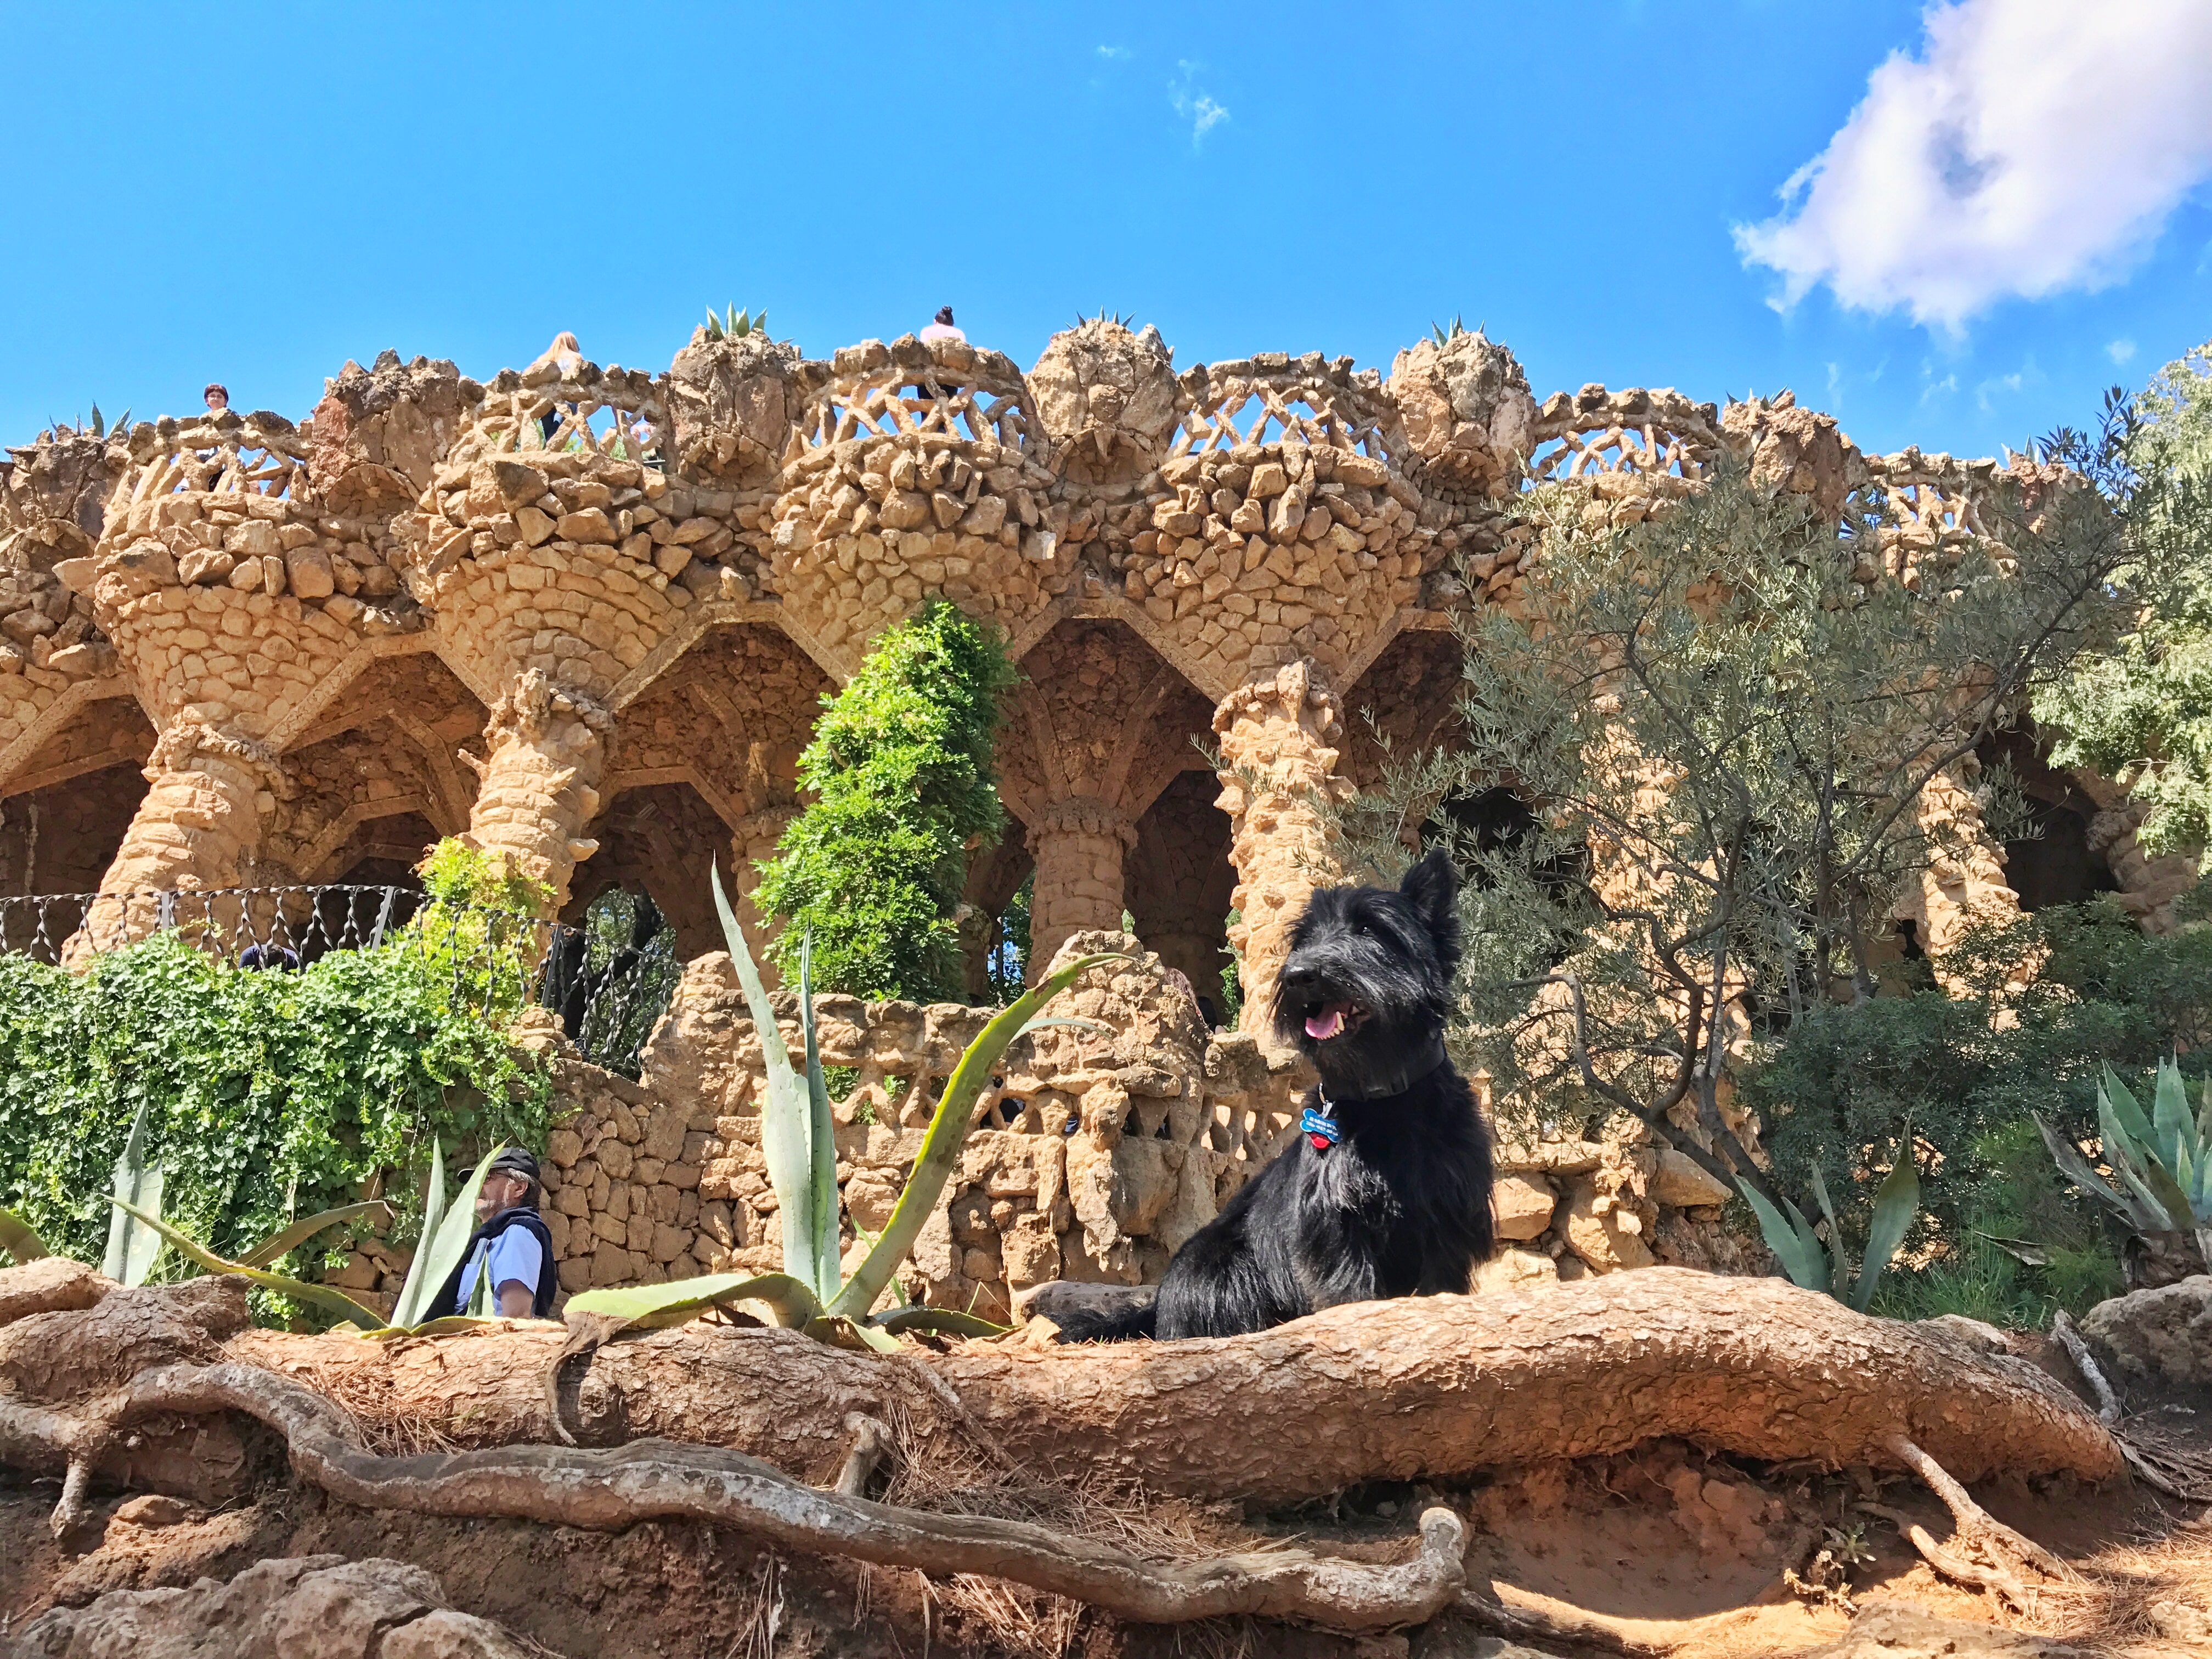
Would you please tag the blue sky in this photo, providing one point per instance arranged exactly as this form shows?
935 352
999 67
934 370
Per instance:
256 194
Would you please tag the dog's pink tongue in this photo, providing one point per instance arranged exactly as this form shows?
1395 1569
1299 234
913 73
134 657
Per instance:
1325 1024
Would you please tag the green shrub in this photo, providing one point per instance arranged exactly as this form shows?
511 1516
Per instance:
900 770
1967 1071
270 1095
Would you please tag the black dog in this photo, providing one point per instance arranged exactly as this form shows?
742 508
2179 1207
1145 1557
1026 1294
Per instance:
1387 1190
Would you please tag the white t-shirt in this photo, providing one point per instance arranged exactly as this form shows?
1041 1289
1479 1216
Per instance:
515 1256
939 331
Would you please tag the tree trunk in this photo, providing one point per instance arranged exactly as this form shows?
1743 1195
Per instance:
1425 1387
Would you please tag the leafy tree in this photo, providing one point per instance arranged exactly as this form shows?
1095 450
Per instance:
1729 737
904 792
2143 712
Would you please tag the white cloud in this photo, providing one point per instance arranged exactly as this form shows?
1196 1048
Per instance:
1203 113
1113 54
2032 146
2120 350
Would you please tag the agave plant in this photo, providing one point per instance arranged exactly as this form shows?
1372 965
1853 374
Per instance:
1813 1266
2164 1162
446 1230
1445 335
736 324
20 1242
797 1143
132 1248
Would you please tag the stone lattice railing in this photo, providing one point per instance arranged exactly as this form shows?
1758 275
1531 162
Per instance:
1272 397
571 404
913 388
1626 443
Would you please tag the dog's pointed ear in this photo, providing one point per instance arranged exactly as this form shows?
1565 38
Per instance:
1431 887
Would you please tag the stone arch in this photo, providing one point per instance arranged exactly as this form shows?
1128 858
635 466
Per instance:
2062 862
1100 726
388 768
1403 703
657 839
63 813
1180 884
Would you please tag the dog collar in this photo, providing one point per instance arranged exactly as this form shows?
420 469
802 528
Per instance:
1401 1077
1321 1128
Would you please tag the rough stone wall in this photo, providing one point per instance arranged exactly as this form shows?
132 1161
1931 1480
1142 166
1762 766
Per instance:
1094 1157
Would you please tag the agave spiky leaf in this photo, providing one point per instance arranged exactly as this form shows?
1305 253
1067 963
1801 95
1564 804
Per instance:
821 1136
1839 1263
17 1238
2170 1128
132 1247
2136 1163
321 1296
786 1114
1895 1204
653 1307
949 1127
2138 1212
439 1254
283 1243
2116 1097
414 1293
1794 1243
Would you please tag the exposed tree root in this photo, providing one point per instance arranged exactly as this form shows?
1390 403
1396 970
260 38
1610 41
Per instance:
1423 1387
608 1489
1525 1624
871 1440
1974 1531
2108 1403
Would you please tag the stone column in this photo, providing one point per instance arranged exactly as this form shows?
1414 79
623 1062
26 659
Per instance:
1279 779
1079 843
1964 881
198 827
545 749
752 844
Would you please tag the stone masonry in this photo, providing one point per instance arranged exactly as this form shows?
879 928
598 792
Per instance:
585 614
1093 1157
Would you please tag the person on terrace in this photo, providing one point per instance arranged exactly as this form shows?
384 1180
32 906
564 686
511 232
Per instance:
508 1270
943 328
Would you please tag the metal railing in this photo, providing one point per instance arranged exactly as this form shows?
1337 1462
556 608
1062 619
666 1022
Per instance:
608 983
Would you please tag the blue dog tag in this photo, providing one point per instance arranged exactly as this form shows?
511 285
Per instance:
1321 1130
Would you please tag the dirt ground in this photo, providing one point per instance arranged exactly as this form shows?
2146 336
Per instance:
1672 1550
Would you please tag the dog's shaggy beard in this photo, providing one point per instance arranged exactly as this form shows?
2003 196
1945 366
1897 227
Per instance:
1367 981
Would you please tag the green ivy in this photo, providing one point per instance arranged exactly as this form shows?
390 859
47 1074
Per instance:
904 790
270 1095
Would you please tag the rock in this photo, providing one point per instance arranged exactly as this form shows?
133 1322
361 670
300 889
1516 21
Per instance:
90 660
589 523
1605 1236
1681 1183
309 1607
1524 1205
309 571
155 1510
2161 1336
1511 1267
205 568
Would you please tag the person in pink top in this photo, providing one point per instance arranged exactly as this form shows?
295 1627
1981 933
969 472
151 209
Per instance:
943 329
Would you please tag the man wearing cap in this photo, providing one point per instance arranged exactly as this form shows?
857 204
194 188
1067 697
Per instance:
508 1270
